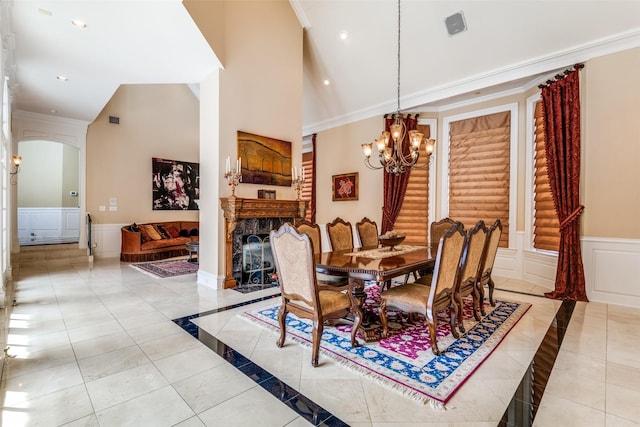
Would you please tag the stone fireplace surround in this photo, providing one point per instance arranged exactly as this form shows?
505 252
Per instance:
253 216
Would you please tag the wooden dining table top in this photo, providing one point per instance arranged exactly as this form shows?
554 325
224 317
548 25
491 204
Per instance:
349 263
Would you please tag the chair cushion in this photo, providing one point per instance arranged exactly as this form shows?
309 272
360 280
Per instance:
408 298
331 301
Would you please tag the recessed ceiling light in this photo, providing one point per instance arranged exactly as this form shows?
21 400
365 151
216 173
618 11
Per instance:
53 111
79 24
62 78
344 35
326 82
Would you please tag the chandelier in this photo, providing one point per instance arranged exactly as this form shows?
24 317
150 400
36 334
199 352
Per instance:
393 156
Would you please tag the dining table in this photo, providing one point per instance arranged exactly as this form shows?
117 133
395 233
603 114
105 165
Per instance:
377 264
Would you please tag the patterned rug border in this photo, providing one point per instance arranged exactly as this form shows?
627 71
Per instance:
159 273
399 382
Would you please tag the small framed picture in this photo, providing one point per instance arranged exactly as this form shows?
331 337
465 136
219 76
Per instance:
267 194
345 187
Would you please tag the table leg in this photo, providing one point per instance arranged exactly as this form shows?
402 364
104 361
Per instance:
370 321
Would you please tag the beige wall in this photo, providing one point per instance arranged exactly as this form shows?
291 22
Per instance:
611 147
48 173
339 151
155 121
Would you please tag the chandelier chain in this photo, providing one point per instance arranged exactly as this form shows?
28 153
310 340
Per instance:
398 109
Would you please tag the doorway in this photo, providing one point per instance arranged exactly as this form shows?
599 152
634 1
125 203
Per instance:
48 193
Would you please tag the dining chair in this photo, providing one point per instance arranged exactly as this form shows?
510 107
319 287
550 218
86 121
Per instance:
340 234
469 268
436 230
313 231
367 232
435 292
302 295
488 258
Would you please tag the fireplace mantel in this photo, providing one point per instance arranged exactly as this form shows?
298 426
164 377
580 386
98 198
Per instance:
236 209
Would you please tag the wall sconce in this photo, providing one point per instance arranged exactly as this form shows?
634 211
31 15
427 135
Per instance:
16 160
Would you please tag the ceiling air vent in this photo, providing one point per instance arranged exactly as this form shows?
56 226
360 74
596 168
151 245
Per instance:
115 120
455 23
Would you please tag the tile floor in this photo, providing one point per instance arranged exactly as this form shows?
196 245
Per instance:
96 345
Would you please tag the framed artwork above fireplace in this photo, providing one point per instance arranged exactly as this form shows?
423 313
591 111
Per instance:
264 160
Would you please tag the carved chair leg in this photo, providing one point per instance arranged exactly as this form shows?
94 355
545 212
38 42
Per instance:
383 318
480 289
453 317
357 321
432 334
318 327
460 316
491 286
282 319
476 304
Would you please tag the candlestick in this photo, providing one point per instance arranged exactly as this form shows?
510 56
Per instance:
233 177
297 180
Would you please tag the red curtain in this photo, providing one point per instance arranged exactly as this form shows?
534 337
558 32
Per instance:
561 109
395 186
313 181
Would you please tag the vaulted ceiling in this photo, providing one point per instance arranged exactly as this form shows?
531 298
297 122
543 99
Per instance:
507 45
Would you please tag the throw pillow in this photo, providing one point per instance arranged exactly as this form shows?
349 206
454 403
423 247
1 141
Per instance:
171 229
163 231
144 235
184 233
152 232
134 227
193 232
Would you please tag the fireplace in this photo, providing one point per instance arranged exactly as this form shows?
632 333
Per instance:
253 217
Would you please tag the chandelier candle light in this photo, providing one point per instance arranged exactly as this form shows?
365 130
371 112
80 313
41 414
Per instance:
395 158
297 179
233 176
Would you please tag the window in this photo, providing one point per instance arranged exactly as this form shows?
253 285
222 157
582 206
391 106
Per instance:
305 194
413 219
546 227
479 170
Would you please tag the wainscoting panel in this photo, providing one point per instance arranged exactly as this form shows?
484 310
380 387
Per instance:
612 270
107 239
42 226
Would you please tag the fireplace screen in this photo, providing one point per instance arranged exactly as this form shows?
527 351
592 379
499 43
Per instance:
257 260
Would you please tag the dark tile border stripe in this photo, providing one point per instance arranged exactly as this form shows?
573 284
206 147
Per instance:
302 405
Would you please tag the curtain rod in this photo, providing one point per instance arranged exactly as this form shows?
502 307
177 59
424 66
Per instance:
560 76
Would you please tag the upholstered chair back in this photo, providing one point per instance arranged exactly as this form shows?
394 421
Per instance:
340 235
495 232
367 232
476 239
437 229
448 260
313 231
293 257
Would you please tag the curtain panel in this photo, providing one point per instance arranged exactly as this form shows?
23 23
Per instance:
561 110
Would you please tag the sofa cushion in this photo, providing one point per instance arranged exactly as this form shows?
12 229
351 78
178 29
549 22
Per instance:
165 243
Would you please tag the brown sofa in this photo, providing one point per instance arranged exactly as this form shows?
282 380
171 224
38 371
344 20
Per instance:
157 240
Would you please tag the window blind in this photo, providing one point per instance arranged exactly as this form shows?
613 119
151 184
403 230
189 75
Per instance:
305 194
479 165
413 218
546 227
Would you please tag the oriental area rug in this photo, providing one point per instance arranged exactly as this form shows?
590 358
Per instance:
167 268
404 361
